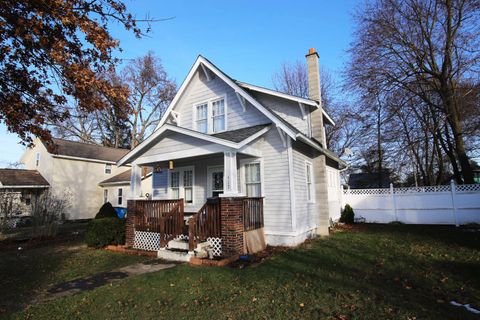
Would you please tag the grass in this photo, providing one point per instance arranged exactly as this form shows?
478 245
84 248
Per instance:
381 272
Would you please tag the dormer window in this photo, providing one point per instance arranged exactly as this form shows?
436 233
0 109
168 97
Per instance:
210 116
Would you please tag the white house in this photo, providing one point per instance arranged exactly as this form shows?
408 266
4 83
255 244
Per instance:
77 169
222 137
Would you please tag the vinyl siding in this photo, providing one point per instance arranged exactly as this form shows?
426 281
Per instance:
286 109
200 90
305 212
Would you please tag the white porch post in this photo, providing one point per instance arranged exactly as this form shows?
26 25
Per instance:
230 185
136 182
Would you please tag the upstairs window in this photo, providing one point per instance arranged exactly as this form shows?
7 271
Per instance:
218 115
209 117
202 117
108 168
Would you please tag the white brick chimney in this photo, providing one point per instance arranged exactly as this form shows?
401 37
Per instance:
315 93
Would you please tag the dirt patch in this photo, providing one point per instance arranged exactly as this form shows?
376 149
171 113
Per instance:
356 227
253 260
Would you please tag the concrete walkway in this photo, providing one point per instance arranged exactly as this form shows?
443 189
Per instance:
89 283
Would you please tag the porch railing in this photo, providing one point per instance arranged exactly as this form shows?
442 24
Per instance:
252 213
205 223
161 216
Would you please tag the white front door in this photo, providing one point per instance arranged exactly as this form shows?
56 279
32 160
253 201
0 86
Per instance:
214 181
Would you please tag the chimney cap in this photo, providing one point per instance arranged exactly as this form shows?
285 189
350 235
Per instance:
311 51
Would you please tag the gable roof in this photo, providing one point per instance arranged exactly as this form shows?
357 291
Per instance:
222 140
123 178
240 134
202 62
81 150
16 178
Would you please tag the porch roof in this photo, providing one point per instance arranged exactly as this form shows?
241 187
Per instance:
235 139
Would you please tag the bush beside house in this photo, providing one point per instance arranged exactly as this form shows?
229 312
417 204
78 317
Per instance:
107 228
347 216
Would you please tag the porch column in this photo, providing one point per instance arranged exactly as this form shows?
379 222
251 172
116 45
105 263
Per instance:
230 185
136 182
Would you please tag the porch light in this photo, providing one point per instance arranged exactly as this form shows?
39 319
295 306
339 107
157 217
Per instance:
158 169
170 165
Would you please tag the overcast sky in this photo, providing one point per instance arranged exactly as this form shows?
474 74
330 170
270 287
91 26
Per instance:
248 40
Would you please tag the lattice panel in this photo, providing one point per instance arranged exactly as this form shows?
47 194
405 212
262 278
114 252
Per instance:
422 189
468 187
216 244
181 237
144 240
367 191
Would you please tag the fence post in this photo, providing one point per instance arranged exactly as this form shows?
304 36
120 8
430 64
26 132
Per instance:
394 204
453 191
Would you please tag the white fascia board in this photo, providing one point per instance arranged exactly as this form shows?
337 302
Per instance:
315 145
107 184
308 102
25 187
82 159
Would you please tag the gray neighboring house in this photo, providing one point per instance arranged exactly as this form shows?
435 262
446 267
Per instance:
25 186
225 138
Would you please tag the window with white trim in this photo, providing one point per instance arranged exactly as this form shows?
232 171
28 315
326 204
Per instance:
210 116
309 181
105 195
201 116
108 168
218 115
181 182
175 184
253 182
120 196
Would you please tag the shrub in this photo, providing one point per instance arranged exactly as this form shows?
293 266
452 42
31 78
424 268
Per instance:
106 211
347 215
105 231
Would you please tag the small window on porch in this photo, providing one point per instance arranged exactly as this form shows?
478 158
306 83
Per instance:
188 186
253 181
175 184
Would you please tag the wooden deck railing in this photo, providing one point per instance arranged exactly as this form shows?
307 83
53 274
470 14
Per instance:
252 213
205 223
162 216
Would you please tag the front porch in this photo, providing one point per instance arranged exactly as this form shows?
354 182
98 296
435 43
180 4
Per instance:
222 227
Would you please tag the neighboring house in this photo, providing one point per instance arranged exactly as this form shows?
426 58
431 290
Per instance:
116 189
364 180
222 137
75 169
23 187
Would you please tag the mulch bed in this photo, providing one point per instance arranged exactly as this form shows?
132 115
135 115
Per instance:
255 259
356 227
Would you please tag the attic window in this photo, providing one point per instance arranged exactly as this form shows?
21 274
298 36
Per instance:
108 168
209 117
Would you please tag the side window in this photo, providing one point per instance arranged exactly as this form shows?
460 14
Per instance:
253 184
120 196
105 196
108 168
309 181
37 159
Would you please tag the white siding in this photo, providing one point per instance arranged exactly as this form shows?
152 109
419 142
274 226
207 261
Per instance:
173 142
286 109
277 211
201 90
305 211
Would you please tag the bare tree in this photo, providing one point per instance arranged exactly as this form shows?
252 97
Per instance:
428 49
151 91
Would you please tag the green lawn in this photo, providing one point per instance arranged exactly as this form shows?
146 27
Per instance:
382 272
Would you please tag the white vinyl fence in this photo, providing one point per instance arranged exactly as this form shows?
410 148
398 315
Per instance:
450 204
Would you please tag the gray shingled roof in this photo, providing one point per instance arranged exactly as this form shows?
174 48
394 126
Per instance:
123 177
21 177
240 134
88 151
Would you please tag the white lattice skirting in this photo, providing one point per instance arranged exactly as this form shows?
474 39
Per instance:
144 240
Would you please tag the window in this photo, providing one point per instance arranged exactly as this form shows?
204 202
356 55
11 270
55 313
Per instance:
309 180
37 159
210 116
108 168
105 196
120 196
188 186
218 115
253 184
181 184
175 184
202 117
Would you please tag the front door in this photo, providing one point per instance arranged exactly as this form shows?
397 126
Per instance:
215 181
